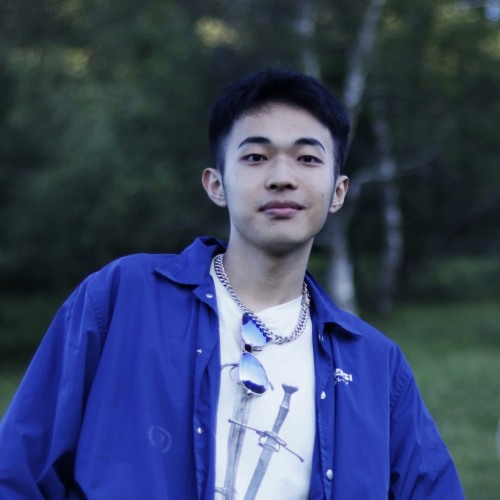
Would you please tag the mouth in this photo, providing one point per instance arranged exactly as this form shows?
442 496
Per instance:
282 209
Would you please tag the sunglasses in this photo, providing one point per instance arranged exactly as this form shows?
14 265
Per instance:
252 375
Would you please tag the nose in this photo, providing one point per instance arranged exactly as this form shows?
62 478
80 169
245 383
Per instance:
281 175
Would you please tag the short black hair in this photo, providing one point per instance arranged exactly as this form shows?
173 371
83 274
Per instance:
281 87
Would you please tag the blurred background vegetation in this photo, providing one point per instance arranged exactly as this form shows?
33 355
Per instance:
103 112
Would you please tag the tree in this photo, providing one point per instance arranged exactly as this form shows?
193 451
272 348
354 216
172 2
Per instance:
103 111
341 273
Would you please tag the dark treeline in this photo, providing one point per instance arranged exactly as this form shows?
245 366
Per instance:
103 109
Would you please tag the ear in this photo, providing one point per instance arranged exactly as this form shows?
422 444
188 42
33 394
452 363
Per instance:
212 182
341 187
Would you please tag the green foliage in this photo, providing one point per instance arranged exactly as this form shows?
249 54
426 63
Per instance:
10 377
103 109
437 72
460 278
108 150
23 321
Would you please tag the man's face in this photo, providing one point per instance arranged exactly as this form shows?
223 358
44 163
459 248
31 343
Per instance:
278 181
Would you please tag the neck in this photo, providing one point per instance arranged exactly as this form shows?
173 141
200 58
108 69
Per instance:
263 280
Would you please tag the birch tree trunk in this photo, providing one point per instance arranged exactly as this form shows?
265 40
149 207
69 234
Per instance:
340 270
306 29
393 243
341 273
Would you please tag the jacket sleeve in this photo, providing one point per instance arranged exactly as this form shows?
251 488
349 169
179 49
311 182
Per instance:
421 466
39 432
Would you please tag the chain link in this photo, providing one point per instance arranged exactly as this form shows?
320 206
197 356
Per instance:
278 339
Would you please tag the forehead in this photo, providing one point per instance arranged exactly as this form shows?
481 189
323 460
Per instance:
280 123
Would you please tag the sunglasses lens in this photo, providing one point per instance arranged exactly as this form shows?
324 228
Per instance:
251 333
252 374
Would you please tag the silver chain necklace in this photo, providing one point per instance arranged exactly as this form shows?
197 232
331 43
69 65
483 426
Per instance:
278 339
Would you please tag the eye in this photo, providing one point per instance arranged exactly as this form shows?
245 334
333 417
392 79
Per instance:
309 159
254 158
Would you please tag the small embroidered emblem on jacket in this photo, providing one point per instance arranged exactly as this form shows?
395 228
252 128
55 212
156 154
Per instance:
160 438
341 376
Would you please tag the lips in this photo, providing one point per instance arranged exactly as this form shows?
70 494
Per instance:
282 208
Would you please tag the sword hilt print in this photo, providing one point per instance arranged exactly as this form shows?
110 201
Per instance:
285 406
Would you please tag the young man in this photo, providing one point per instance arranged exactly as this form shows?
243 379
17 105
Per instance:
225 371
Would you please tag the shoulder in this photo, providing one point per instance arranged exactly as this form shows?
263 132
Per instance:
378 350
371 339
135 264
190 267
134 270
358 343
343 324
122 280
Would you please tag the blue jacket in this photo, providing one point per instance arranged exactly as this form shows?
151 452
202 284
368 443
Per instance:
120 400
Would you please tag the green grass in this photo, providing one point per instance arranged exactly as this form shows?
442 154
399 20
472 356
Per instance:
454 350
10 376
23 321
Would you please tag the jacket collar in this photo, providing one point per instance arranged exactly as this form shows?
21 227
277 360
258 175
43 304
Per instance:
192 266
329 314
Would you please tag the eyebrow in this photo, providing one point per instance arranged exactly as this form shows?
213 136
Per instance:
307 141
254 140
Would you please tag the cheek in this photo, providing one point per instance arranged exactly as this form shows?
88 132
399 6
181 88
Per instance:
327 194
237 201
241 188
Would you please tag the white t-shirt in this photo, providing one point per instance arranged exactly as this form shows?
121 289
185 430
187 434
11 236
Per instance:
290 368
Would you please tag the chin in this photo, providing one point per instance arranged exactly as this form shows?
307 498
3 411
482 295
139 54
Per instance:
284 246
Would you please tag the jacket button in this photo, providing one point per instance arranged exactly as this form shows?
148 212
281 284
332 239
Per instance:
323 395
329 474
210 295
199 351
199 430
